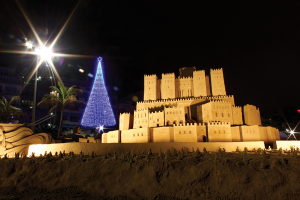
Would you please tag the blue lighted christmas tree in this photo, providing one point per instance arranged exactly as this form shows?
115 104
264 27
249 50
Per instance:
98 111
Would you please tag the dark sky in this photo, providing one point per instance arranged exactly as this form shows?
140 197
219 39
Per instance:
257 43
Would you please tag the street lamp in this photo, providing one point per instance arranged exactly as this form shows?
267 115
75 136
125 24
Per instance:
43 54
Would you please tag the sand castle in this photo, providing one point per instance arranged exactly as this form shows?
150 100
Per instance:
190 109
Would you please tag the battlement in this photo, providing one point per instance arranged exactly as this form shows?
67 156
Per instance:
199 71
216 70
219 123
249 105
125 113
221 96
150 76
189 98
189 124
141 110
156 112
237 107
168 75
218 101
186 78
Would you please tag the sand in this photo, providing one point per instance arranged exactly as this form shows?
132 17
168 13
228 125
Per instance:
168 175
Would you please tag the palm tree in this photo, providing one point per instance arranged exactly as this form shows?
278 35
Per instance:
8 111
60 99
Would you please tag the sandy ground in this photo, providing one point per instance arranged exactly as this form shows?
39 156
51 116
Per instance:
141 175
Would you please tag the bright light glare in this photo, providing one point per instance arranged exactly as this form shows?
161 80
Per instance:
101 128
29 45
44 53
81 70
292 132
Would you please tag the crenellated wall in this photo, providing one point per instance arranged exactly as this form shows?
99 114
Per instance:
182 102
250 133
162 134
174 115
139 135
168 86
237 115
251 115
236 134
216 110
125 121
189 132
219 132
156 119
141 118
185 87
199 83
150 87
111 137
217 82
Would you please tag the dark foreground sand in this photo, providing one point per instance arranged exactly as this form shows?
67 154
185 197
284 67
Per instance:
169 175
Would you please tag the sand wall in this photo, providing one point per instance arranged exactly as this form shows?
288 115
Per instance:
286 144
99 149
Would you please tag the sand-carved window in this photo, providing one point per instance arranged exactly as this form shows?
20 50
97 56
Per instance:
222 114
184 132
179 132
228 115
190 132
142 134
137 134
216 114
215 132
133 135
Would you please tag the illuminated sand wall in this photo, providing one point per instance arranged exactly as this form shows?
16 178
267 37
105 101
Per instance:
101 149
286 144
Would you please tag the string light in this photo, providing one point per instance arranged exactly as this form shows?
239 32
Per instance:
98 111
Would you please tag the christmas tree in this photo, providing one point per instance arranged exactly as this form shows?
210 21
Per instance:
98 111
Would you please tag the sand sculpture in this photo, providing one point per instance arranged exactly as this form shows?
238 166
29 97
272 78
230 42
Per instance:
16 138
190 109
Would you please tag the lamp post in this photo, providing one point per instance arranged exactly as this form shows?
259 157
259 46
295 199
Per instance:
43 53
34 98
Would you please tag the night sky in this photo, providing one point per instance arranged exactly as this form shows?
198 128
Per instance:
256 43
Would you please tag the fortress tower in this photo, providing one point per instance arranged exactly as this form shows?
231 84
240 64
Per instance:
151 87
168 86
217 82
199 83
